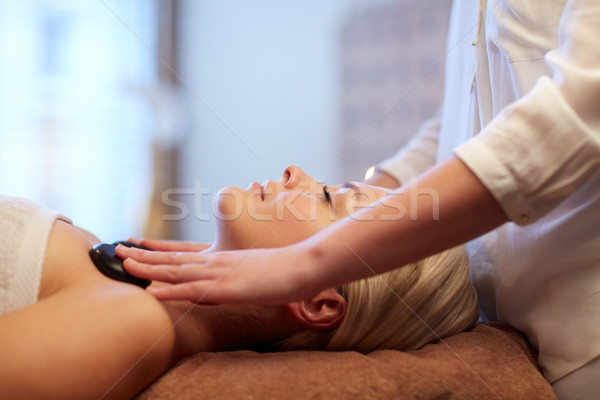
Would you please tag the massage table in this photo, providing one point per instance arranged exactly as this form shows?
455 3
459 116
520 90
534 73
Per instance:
490 361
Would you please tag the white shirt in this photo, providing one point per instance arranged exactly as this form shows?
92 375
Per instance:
522 110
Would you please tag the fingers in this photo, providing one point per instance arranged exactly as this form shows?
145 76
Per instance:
173 245
166 272
134 240
191 246
158 257
190 282
163 245
229 277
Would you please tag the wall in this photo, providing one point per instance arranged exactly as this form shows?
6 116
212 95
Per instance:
391 78
260 79
331 86
75 126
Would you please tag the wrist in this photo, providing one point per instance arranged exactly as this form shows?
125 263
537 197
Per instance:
324 263
309 266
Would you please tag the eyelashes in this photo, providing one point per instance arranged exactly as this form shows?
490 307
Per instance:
326 193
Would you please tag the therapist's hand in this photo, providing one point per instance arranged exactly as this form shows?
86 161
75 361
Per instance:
170 245
383 179
259 276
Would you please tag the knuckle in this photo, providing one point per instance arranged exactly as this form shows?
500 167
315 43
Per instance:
131 251
174 274
173 256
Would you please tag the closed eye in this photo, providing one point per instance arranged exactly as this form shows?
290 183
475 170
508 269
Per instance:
326 193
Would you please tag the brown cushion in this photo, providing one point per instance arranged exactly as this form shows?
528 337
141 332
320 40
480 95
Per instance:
490 361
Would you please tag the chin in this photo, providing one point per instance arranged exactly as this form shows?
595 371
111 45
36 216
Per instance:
225 208
229 203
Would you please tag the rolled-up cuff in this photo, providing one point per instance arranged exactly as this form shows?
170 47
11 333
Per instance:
497 179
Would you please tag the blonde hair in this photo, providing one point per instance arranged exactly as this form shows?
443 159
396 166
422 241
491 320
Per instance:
403 309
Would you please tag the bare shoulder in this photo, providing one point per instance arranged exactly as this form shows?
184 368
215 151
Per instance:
66 260
93 340
87 335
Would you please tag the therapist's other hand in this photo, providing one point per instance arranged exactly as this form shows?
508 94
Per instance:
170 245
383 179
260 276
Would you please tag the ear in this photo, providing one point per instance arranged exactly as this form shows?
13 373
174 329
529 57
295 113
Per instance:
324 311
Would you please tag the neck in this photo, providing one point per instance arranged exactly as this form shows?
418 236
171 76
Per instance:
225 241
218 245
220 328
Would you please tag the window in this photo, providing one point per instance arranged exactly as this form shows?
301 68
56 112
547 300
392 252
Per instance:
75 123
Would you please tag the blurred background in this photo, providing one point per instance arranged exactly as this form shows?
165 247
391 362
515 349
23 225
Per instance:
129 116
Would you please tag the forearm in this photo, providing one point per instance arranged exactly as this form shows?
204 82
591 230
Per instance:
445 207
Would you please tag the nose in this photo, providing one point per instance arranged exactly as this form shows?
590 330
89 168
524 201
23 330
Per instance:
294 177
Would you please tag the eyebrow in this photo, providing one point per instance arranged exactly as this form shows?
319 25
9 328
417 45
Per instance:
350 185
353 186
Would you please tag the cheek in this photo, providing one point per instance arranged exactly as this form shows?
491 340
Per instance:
288 219
294 206
292 231
285 220
300 219
244 232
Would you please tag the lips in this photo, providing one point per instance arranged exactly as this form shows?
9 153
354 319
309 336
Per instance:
256 186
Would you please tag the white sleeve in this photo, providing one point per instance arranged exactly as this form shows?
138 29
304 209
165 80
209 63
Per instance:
540 149
418 155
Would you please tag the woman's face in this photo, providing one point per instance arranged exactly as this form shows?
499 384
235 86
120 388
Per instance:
279 213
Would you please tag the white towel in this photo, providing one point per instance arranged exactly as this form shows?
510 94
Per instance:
24 230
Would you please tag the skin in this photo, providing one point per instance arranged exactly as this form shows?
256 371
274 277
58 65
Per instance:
280 213
283 212
444 207
50 353
283 202
380 179
383 179
91 337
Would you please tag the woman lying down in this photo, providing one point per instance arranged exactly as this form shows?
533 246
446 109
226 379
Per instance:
67 331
